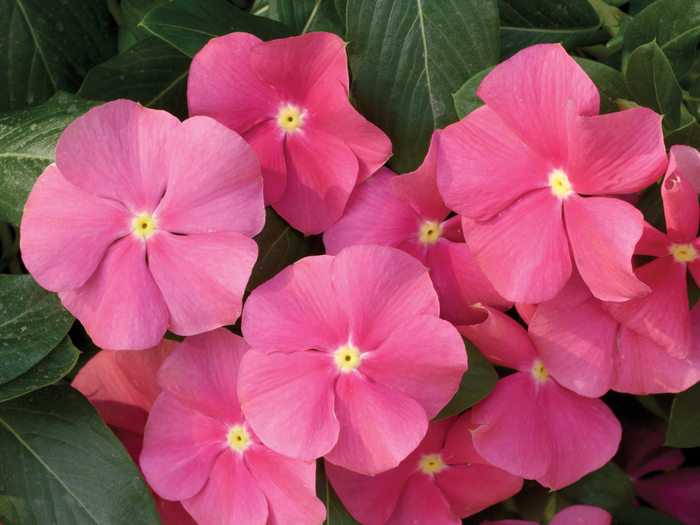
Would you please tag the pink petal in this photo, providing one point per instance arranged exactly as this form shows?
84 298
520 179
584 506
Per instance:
573 295
680 208
642 451
202 277
526 311
180 447
434 439
380 288
267 140
653 242
379 426
288 399
480 155
603 233
422 502
674 493
128 152
524 251
121 306
459 446
296 310
424 358
687 162
140 368
66 231
530 92
582 515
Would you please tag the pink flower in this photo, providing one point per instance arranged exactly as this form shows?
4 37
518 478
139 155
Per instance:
407 212
199 448
289 99
144 224
529 424
440 482
574 515
349 358
517 169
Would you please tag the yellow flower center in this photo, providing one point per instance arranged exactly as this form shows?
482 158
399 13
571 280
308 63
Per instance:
430 232
144 225
238 438
540 372
347 358
560 184
683 252
431 464
290 118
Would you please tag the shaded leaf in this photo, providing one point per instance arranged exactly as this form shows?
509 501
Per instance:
657 404
59 463
466 99
32 322
305 16
643 516
609 82
408 57
134 11
608 487
341 6
336 514
684 423
692 99
652 207
687 135
637 6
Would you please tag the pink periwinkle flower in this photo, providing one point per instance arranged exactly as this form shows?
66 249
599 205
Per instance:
529 424
517 170
574 515
289 99
350 359
407 212
439 483
198 447
144 224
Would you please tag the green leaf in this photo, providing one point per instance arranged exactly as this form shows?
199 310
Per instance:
637 6
608 487
151 72
675 25
652 207
652 84
134 11
643 516
610 83
53 367
528 22
466 99
32 322
477 382
59 463
49 46
341 6
27 146
657 404
190 25
687 135
692 99
409 56
336 514
684 423
305 16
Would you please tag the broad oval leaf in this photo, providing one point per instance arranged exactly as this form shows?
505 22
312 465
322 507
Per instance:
609 82
643 516
466 99
608 487
336 513
408 57
684 423
32 322
687 135
59 463
305 16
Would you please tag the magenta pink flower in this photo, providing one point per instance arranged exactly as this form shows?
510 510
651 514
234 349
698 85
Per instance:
518 167
408 213
289 99
349 358
440 482
144 224
199 449
574 515
529 424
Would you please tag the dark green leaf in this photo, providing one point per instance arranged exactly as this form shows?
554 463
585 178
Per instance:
53 367
27 145
692 99
59 463
684 423
643 516
528 22
608 487
675 25
657 404
305 16
341 6
652 207
409 56
190 25
637 6
652 84
49 46
466 99
32 322
610 83
134 11
151 72
477 382
687 135
335 511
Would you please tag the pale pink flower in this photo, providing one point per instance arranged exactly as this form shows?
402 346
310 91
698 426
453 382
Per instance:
198 447
349 358
289 99
574 515
518 167
144 224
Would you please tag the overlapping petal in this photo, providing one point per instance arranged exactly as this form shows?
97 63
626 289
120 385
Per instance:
681 208
422 502
267 140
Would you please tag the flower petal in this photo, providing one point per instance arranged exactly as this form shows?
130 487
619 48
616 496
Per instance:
422 502
680 208
459 446
267 140
687 161
652 242
580 514
674 493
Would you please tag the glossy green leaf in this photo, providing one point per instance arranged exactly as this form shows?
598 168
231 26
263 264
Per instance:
687 135
134 11
692 99
32 322
151 72
49 46
609 82
408 57
336 514
53 367
675 25
528 22
190 25
643 516
652 84
608 487
305 16
652 207
466 99
27 145
59 463
477 382
684 423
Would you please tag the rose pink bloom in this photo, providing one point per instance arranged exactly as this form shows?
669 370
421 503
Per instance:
517 169
574 515
144 224
529 424
440 482
350 359
289 99
407 212
122 387
199 449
